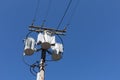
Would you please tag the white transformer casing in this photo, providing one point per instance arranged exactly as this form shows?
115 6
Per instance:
29 46
57 51
46 37
40 38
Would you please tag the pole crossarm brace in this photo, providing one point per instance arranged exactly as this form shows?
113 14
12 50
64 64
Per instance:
41 29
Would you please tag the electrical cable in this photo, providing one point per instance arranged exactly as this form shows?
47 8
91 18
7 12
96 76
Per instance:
64 14
28 34
73 12
32 71
36 11
33 66
48 9
25 61
49 60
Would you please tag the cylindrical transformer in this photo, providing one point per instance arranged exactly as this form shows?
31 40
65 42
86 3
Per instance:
55 56
29 46
46 37
57 51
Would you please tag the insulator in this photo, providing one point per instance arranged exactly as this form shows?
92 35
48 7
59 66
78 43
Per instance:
29 46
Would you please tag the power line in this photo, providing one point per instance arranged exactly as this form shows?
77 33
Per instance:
36 11
73 12
48 8
64 14
47 11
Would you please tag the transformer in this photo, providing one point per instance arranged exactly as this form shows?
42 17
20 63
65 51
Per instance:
46 39
57 51
29 46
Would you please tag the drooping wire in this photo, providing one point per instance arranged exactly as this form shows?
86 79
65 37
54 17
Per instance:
61 39
25 61
73 12
28 34
32 71
64 14
33 66
36 12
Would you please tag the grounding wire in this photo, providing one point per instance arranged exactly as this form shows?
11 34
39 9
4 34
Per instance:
68 6
73 12
36 12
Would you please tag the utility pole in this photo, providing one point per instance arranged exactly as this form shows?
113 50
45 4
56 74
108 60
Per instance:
46 39
41 73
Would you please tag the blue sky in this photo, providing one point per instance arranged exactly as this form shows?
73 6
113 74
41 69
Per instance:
92 41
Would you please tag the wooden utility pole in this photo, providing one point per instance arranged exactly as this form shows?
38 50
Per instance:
41 73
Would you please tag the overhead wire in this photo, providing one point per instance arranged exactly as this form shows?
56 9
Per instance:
36 12
68 6
32 66
25 61
73 12
46 13
48 9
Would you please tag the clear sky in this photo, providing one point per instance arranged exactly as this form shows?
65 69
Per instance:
92 41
